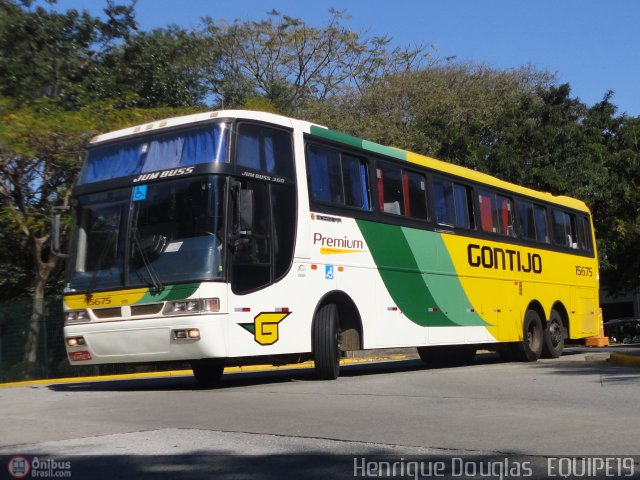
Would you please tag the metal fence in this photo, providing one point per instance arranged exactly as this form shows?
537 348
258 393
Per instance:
51 358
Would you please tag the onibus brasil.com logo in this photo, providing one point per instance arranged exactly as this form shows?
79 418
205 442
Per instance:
21 467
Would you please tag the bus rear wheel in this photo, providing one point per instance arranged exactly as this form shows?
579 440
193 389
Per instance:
530 349
326 350
207 371
553 339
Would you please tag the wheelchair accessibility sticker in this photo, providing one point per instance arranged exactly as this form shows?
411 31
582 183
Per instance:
139 193
328 272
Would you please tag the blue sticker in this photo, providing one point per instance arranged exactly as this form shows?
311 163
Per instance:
139 193
328 272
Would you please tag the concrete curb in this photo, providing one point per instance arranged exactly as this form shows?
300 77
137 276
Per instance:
625 360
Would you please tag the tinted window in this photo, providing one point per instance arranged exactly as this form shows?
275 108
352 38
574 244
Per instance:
532 221
354 181
266 149
496 213
570 230
415 187
337 178
283 207
401 192
561 228
584 233
452 204
390 183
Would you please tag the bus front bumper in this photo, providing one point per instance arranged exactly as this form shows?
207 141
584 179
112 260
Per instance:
172 338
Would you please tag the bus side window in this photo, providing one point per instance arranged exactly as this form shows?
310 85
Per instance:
354 180
324 174
532 221
540 216
415 195
337 178
266 149
571 231
452 204
464 206
444 203
561 228
496 213
392 200
505 215
584 237
488 212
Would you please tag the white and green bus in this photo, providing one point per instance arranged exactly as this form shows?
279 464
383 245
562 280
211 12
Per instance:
239 237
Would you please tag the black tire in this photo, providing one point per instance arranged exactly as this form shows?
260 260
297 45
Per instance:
447 355
207 371
326 350
553 338
530 349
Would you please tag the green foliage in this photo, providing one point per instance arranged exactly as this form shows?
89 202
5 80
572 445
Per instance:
54 55
160 68
289 63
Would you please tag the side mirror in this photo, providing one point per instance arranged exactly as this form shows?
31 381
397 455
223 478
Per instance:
55 232
245 211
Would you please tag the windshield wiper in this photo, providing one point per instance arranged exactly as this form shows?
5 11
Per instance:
153 276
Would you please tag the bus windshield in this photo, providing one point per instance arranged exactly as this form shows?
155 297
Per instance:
170 230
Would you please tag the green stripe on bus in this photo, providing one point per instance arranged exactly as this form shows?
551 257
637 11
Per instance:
383 150
358 142
418 273
336 136
170 292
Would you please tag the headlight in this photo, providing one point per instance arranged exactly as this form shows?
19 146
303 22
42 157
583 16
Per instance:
181 307
75 316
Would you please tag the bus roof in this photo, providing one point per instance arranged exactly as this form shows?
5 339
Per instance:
360 143
174 122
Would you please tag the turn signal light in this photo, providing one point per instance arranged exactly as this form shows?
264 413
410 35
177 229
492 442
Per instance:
187 334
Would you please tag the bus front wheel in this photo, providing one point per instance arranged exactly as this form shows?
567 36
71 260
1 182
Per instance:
326 350
530 349
207 371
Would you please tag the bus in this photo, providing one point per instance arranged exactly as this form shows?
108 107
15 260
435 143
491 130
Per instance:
237 237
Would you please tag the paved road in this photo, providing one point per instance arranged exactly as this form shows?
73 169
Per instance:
576 405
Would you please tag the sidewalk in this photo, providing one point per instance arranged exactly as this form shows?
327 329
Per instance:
627 359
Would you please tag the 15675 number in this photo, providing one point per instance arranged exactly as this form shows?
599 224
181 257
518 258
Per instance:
99 301
584 271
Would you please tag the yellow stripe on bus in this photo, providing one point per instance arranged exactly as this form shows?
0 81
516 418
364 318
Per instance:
105 299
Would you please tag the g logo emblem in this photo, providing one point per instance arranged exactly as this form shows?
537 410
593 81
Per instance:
265 327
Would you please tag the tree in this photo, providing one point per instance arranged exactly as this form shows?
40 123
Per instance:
41 147
289 62
160 68
448 111
53 55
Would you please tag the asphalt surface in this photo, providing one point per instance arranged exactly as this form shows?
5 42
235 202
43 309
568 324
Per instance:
284 423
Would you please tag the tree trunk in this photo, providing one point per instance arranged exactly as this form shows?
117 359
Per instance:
42 271
35 323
